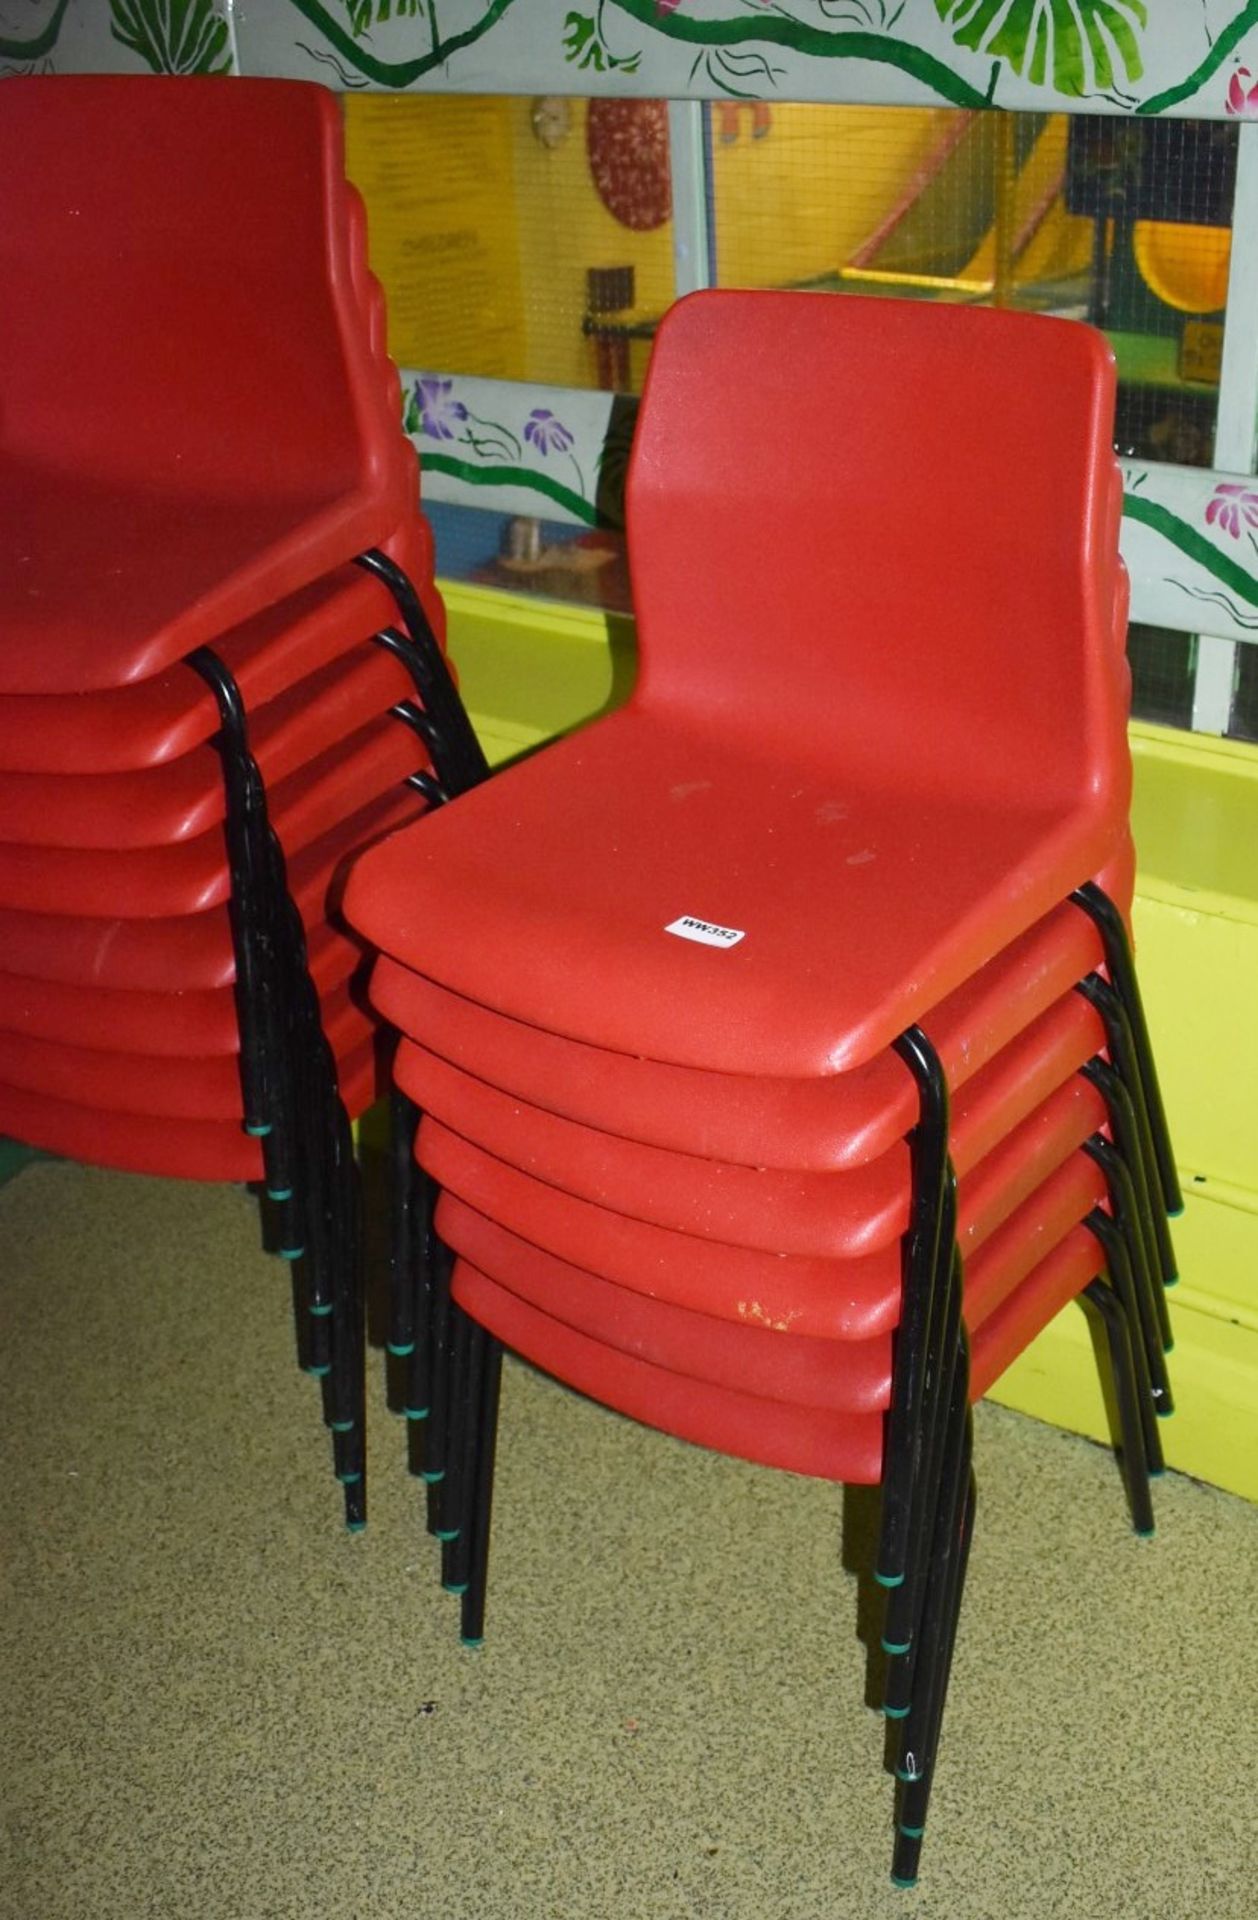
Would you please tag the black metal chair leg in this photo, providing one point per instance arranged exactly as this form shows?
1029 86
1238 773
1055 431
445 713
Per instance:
480 1508
403 1120
1125 1137
465 1446
915 1798
1122 1052
419 1373
902 1616
1100 909
1119 1342
437 1429
906 1425
919 1666
1118 1266
449 1498
1123 1204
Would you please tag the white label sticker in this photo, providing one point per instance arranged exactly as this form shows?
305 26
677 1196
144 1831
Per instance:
708 935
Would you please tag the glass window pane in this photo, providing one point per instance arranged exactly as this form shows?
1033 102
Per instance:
1162 663
1244 724
519 239
1120 221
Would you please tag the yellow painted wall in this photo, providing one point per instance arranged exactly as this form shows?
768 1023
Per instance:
435 171
799 201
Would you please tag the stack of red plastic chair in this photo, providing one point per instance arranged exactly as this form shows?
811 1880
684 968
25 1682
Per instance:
778 1052
210 516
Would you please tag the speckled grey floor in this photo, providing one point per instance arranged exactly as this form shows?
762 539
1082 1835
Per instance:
217 1703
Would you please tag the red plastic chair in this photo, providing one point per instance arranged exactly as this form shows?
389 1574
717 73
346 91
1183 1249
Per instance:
915 772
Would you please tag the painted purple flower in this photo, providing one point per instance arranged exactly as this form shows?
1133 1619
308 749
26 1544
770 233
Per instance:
546 433
1242 99
437 408
1229 505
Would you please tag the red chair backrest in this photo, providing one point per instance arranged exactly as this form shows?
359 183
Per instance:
175 256
883 534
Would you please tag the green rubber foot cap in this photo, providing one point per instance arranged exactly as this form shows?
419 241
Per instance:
896 1646
1175 1213
415 1413
1157 1473
355 1526
889 1579
432 1478
349 1479
395 1346
895 1713
291 1253
341 1426
279 1193
321 1311
1164 1413
1144 1533
898 1880
475 1645
459 1587
446 1533
318 1373
912 1833
1174 1279
258 1133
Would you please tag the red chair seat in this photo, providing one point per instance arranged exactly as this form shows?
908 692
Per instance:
139 1143
185 952
196 1020
829 1215
165 717
835 1298
774 1433
181 799
859 910
195 1087
192 876
845 1376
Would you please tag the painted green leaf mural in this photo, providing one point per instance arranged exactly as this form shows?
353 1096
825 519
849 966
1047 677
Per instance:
365 14
173 36
1075 46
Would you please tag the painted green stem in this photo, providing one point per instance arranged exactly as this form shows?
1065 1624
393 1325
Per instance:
819 42
42 43
1227 39
1192 543
396 73
478 476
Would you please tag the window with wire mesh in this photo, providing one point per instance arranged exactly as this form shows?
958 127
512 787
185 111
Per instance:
1123 222
519 239
1163 666
1244 721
